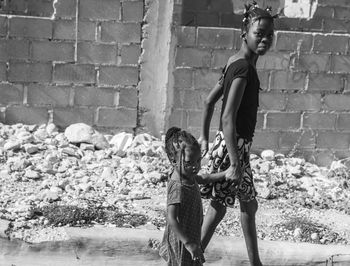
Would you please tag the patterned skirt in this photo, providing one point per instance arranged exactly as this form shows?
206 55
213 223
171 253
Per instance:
219 161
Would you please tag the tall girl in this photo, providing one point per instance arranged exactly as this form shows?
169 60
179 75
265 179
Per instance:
239 87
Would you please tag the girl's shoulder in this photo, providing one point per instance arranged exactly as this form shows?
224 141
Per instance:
237 63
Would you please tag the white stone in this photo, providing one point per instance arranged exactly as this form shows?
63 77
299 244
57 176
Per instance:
268 155
297 232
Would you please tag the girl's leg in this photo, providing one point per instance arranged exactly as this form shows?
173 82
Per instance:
215 213
248 210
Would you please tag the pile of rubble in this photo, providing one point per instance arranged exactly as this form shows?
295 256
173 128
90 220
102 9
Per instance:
40 166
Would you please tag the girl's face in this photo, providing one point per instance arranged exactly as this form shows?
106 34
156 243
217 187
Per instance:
260 35
191 162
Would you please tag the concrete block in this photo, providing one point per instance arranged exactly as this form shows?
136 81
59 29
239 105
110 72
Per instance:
337 102
325 82
99 10
344 3
194 99
53 51
208 19
297 140
220 57
287 80
64 29
341 63
118 76
341 12
177 98
96 53
94 96
291 41
132 11
332 140
128 98
193 57
313 62
264 77
312 25
3 72
176 118
117 117
3 26
330 43
38 94
26 115
11 94
30 27
260 121
87 31
14 49
206 78
120 32
74 73
29 72
64 117
319 120
65 8
130 54
195 118
286 24
186 36
272 101
335 25
283 120
343 122
323 12
40 8
274 61
303 102
265 140
215 37
183 78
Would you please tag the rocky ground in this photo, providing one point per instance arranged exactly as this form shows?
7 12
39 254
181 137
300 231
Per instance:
80 177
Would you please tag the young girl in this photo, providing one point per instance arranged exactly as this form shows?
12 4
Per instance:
239 87
181 242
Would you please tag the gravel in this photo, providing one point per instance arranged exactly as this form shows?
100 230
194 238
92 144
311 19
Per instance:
49 181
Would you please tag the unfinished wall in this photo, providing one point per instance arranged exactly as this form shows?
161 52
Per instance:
70 61
305 102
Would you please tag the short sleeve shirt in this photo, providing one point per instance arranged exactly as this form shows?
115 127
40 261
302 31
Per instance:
247 111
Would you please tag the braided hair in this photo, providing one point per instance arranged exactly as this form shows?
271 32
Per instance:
176 140
252 12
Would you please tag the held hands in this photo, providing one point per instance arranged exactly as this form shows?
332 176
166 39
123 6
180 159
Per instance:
195 251
234 174
204 146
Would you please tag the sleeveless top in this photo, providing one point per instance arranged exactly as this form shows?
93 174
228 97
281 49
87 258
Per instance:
247 111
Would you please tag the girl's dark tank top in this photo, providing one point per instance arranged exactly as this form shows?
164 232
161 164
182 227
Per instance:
247 111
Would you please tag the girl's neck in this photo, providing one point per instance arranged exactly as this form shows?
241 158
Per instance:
246 53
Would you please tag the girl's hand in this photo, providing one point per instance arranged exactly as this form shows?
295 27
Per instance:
204 146
234 174
195 251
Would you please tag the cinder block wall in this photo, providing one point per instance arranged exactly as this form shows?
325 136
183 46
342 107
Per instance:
70 61
305 103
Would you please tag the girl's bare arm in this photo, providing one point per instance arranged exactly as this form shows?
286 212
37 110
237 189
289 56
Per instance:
229 116
209 178
209 106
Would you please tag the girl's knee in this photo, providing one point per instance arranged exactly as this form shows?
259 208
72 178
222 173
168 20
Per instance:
219 208
249 207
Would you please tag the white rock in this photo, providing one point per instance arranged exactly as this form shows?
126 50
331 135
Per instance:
297 232
12 145
30 148
32 174
121 141
268 155
51 128
80 132
314 236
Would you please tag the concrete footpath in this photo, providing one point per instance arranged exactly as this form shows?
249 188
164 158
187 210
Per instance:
123 246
